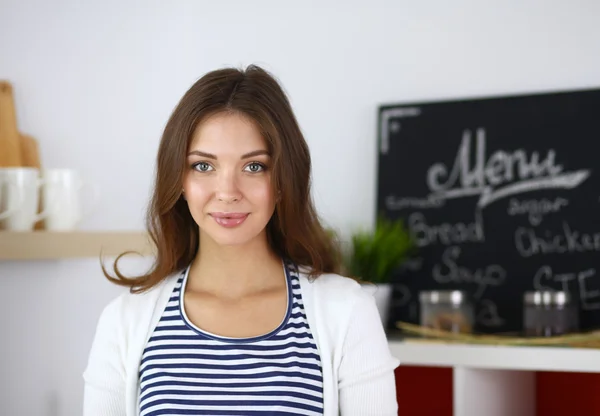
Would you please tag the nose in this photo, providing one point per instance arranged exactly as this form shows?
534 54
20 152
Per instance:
228 190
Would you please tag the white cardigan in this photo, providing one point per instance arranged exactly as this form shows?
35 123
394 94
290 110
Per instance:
358 368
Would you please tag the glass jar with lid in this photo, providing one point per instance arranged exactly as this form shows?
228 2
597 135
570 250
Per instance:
549 313
450 311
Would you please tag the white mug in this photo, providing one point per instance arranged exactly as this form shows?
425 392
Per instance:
62 199
5 210
19 200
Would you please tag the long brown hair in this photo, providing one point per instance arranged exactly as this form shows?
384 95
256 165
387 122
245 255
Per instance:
294 233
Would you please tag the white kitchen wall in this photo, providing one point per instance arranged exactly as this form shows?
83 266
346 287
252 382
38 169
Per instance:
95 83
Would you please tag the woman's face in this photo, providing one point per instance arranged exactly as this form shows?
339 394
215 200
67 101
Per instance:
227 183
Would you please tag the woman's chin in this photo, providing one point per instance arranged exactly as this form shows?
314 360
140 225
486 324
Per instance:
233 238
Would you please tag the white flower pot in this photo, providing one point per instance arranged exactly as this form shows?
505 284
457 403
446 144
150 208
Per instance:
382 292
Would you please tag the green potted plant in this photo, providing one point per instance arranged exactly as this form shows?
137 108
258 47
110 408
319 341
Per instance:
373 256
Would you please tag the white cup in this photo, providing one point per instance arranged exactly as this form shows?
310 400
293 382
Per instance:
19 200
5 211
62 199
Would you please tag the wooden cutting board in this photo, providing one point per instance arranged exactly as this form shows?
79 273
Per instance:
10 141
15 149
30 154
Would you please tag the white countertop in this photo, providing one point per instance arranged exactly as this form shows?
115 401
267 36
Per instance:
413 352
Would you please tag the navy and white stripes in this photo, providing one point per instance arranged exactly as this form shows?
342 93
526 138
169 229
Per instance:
186 371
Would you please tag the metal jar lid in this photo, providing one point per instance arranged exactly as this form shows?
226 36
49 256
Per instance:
453 297
547 298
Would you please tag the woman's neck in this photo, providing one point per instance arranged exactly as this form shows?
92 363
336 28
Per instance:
235 271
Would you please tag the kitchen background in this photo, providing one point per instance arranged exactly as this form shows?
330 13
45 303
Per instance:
94 82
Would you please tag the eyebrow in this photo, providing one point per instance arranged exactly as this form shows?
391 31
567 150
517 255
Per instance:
244 156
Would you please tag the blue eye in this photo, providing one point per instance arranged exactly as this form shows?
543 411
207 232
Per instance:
255 167
202 167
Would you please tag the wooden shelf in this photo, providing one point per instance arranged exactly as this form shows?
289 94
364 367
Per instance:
44 245
487 357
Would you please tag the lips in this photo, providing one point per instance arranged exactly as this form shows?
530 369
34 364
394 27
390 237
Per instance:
233 215
229 219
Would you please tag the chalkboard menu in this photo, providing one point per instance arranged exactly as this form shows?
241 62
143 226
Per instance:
501 197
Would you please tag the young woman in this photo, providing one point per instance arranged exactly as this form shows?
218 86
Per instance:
243 312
